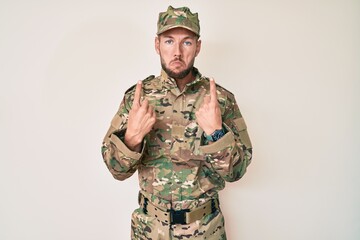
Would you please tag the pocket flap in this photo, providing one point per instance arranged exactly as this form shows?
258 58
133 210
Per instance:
244 136
117 121
240 124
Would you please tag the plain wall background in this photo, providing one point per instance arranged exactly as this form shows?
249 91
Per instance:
293 66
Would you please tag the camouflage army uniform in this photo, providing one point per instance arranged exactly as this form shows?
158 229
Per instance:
177 168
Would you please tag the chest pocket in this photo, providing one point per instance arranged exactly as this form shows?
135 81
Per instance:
155 146
158 142
186 142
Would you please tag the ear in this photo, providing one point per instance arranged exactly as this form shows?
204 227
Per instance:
157 44
198 47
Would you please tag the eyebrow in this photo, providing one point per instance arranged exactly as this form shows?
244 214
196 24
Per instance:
187 37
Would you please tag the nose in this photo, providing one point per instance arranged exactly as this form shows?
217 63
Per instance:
177 50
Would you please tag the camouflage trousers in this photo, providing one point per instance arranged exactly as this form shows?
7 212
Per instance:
146 227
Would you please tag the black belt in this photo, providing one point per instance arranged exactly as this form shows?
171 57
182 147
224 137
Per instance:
183 216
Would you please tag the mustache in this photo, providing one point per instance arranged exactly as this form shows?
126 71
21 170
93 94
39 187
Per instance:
177 59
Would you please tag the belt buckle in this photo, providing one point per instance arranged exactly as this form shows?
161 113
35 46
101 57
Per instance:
178 216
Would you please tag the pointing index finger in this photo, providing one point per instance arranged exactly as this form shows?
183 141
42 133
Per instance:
137 94
213 93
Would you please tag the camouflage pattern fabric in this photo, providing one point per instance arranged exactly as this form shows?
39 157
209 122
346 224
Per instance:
178 17
177 168
145 227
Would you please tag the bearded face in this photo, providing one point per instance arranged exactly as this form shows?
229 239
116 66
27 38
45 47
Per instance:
177 48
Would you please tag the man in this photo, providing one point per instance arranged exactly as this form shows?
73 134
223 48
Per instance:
185 136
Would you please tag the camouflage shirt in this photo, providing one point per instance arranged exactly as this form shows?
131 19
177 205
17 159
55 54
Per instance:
176 162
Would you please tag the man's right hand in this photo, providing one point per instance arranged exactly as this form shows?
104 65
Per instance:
141 120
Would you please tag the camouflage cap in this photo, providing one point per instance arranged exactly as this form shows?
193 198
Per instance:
178 17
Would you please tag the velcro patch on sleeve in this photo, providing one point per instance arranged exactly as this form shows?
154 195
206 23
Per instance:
244 136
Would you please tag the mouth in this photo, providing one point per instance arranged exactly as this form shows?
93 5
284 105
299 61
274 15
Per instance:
176 62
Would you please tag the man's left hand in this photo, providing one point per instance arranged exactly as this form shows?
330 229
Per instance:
208 116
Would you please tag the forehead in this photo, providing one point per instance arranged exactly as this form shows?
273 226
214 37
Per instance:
178 32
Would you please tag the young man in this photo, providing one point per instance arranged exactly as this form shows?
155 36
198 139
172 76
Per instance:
184 134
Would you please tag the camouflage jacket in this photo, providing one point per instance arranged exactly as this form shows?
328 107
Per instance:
176 163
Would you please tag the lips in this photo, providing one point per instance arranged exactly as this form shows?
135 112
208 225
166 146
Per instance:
177 62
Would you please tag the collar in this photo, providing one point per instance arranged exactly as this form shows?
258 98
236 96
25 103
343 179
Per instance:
170 82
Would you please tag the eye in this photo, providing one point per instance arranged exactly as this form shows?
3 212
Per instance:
169 41
187 43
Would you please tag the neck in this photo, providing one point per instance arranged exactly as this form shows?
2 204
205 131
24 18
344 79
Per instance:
181 83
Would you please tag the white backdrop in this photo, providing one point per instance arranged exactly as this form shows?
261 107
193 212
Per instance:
293 66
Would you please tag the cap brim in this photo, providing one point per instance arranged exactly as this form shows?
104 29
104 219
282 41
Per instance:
177 26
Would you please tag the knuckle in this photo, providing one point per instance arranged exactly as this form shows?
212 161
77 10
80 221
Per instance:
141 110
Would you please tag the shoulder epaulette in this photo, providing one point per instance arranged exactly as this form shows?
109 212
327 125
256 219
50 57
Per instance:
225 89
145 80
208 79
131 88
149 78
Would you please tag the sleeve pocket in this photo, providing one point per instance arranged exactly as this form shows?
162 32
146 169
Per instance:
118 122
242 129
